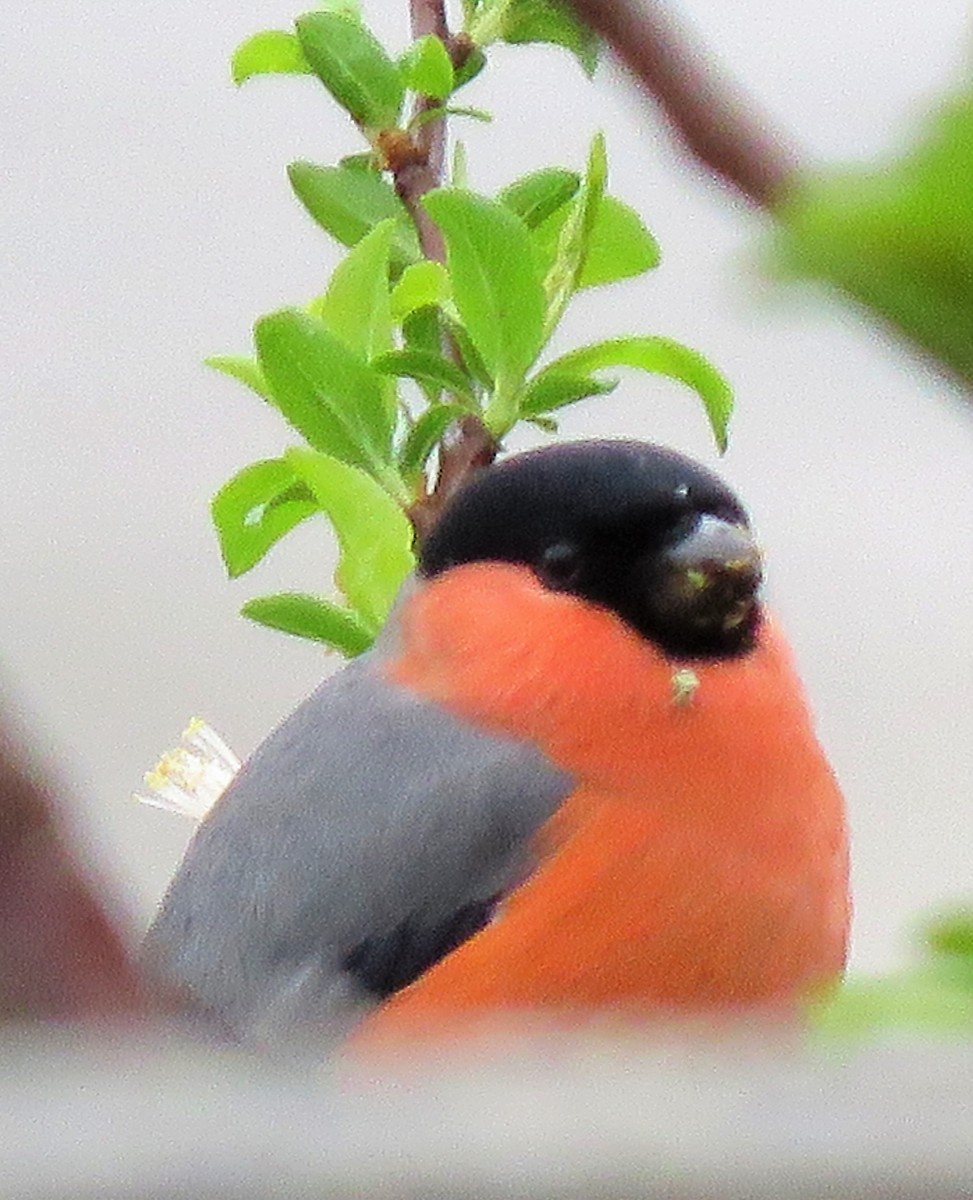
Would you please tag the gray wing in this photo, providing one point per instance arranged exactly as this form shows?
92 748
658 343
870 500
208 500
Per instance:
368 836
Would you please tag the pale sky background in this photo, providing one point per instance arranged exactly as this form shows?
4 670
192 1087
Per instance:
146 221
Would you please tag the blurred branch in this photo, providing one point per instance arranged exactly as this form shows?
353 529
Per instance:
717 124
60 956
556 1120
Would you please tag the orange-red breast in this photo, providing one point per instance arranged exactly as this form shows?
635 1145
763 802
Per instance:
576 773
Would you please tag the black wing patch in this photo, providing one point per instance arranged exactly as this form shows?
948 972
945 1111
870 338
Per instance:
384 965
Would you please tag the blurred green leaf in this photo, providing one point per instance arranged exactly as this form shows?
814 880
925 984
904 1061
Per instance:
912 1002
427 69
347 202
898 237
427 367
354 68
550 390
421 284
425 436
272 52
244 369
311 617
659 356
328 393
496 286
951 935
536 196
356 305
255 508
374 534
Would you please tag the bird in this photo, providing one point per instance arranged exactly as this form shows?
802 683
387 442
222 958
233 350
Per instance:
576 775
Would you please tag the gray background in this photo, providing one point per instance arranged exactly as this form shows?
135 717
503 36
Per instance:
146 221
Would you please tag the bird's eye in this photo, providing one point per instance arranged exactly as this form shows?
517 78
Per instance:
560 566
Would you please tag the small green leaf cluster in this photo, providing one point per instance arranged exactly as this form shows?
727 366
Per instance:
372 373
934 997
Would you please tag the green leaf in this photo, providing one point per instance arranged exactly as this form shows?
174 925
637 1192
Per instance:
496 287
470 69
467 110
272 52
422 330
472 362
427 69
347 8
553 23
356 305
421 284
547 424
374 534
951 935
574 237
450 110
354 68
311 617
255 509
659 356
536 196
245 370
359 162
911 1001
348 202
427 367
898 236
550 390
619 246
328 393
425 436
459 170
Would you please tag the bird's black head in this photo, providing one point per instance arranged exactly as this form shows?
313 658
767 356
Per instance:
632 527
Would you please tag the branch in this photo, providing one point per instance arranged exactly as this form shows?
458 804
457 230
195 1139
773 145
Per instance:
716 123
60 956
469 444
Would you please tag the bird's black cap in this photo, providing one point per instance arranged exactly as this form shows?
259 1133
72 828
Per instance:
630 526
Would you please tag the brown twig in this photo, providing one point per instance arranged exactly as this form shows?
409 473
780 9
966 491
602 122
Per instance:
468 445
425 171
717 125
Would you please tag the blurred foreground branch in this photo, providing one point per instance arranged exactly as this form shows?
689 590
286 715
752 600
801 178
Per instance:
895 237
60 956
79 1118
716 123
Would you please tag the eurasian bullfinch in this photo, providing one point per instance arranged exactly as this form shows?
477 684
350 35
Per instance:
577 772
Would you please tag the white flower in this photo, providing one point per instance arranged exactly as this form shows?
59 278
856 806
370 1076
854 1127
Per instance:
190 779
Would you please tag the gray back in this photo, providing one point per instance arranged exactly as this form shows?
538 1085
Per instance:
367 811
